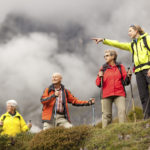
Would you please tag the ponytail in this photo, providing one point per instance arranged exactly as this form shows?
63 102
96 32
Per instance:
138 28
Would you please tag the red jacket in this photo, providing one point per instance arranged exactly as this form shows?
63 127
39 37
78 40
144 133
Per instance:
48 100
112 84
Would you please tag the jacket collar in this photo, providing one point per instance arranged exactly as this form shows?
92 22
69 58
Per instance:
51 87
140 37
8 114
106 66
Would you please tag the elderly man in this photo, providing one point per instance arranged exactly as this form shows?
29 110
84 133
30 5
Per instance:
12 122
55 101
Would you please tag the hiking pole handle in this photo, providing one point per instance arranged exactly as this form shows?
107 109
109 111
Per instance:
93 111
129 72
133 103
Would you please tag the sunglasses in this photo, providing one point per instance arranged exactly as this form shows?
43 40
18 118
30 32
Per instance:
106 56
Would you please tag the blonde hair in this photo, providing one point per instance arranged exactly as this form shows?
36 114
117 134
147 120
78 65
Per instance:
138 28
112 52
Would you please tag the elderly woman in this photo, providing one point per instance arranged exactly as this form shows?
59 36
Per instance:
12 122
114 77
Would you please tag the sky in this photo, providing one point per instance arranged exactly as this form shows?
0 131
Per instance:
40 37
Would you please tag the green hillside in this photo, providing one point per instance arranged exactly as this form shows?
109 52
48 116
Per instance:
128 136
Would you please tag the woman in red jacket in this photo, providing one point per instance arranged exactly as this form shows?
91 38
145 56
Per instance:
112 77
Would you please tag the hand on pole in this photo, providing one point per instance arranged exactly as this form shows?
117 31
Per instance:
1 123
129 73
56 93
91 101
101 73
148 73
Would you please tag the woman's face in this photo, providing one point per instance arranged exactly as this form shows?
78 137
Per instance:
11 109
132 33
108 57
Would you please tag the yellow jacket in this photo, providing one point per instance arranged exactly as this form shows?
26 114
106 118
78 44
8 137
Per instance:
13 125
141 54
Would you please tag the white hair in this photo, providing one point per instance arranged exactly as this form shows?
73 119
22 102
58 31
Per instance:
57 74
12 102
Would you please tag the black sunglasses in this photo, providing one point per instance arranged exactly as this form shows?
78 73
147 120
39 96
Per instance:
106 56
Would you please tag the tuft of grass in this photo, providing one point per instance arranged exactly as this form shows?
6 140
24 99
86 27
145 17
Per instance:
139 114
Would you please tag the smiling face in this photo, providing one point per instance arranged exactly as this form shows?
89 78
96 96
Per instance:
56 78
132 33
108 57
11 109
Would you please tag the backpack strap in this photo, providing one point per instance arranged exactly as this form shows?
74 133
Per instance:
132 44
18 117
52 88
66 93
122 81
145 43
3 117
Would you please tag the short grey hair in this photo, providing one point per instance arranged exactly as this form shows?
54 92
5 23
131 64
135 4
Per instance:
12 102
112 52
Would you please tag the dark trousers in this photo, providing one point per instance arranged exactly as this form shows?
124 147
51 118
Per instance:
142 82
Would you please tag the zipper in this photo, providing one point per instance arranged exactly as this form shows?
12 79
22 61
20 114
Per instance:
141 46
137 53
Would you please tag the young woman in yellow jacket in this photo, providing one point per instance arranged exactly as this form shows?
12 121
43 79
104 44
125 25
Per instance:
140 49
12 122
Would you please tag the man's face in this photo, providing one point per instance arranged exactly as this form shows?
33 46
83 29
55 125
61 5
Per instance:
56 79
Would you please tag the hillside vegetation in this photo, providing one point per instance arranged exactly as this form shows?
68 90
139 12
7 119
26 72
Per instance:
128 136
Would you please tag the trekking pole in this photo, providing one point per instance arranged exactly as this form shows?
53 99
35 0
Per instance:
55 110
146 107
133 104
101 85
93 112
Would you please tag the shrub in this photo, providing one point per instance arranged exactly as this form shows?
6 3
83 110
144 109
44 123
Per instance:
5 142
60 138
139 114
19 142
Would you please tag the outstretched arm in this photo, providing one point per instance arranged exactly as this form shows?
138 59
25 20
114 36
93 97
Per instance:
114 43
117 44
77 102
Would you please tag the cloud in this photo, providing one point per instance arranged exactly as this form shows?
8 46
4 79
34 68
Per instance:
41 37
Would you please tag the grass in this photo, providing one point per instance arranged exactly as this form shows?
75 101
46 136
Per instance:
127 136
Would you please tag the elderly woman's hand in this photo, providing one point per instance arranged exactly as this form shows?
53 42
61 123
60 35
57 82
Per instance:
1 123
29 125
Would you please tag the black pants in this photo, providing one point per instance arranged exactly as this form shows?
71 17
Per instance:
142 82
